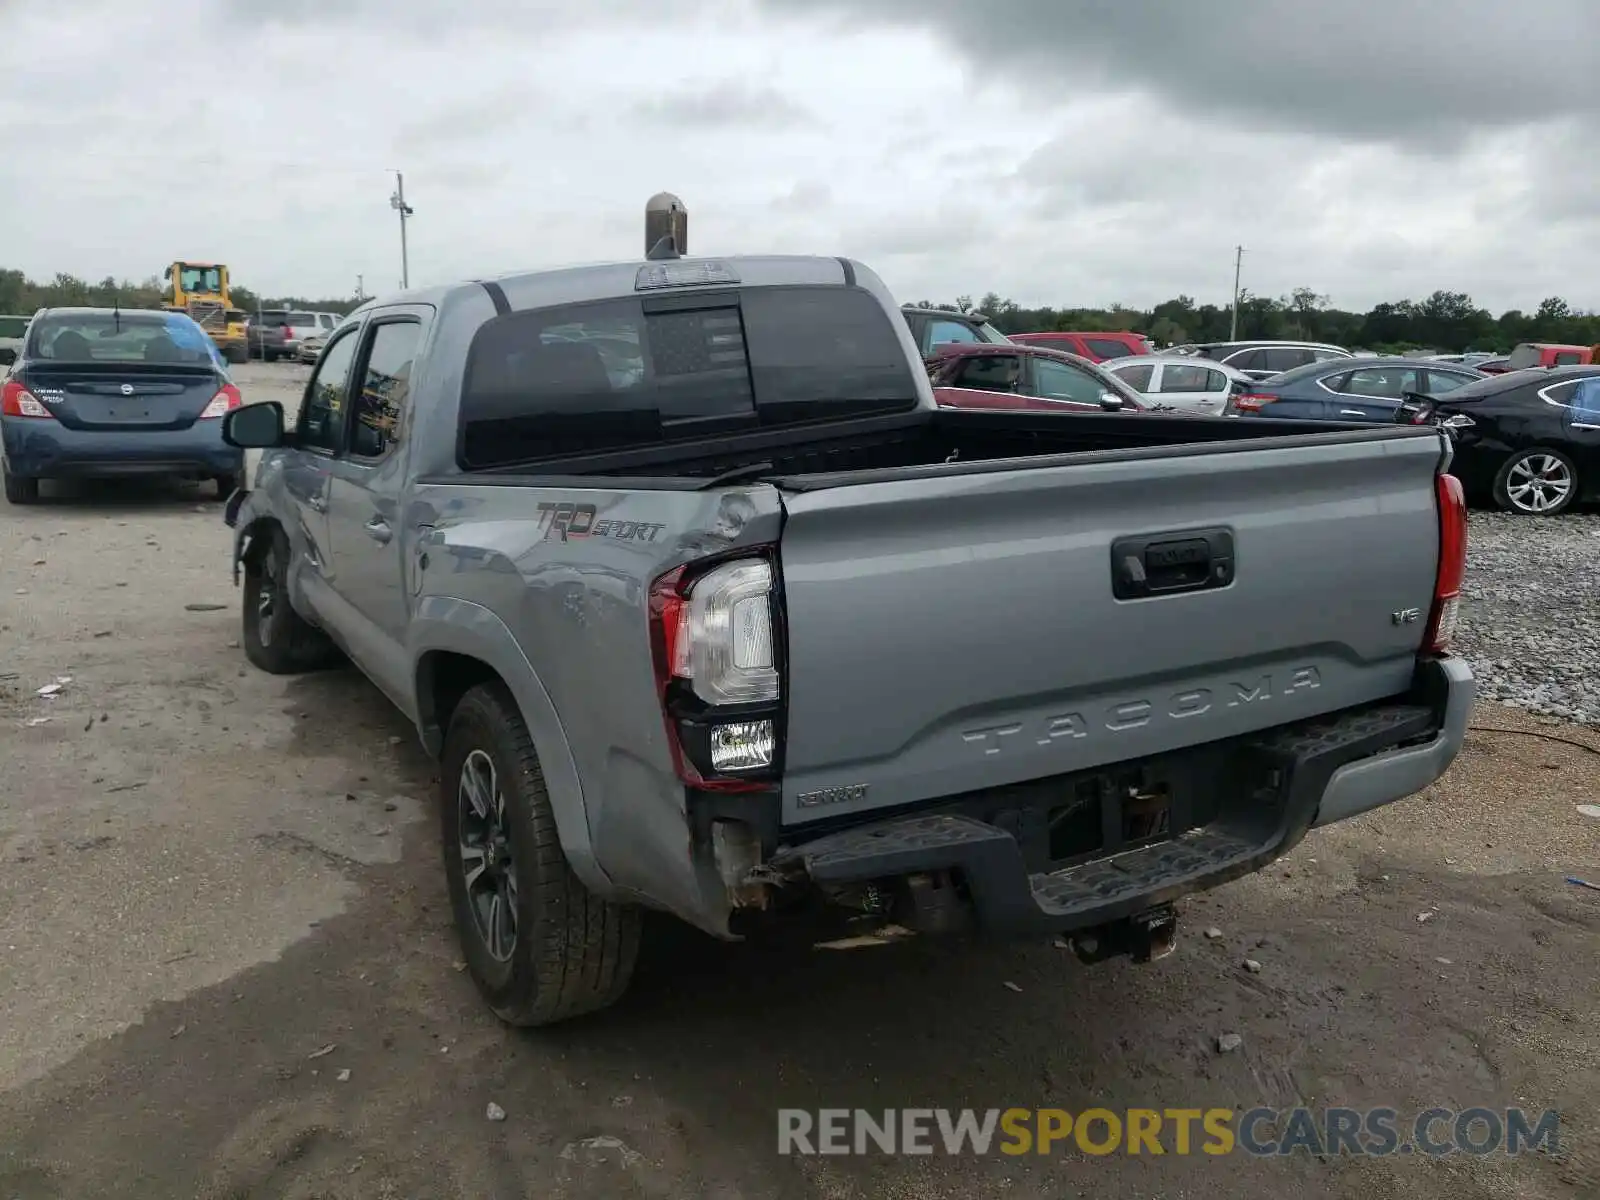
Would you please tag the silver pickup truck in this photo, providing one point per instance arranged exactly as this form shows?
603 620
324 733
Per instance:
705 607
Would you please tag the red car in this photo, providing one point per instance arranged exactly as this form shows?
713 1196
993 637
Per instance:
1025 377
1096 347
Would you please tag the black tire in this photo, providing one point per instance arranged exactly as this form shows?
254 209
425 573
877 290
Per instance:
236 354
268 356
225 485
571 952
1538 482
20 490
276 638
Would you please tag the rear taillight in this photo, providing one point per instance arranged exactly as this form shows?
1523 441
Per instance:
18 401
1253 401
714 635
1452 564
224 402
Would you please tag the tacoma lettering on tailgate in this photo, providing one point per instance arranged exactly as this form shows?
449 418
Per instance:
1122 715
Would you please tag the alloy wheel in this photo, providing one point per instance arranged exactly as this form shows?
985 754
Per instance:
1538 483
487 864
267 599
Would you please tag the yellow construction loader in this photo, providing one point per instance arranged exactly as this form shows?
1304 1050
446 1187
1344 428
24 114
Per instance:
201 290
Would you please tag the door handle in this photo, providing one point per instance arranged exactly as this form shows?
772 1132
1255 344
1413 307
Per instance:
1164 564
1351 412
378 530
317 504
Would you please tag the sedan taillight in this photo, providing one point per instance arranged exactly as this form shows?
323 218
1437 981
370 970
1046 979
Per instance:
224 402
18 401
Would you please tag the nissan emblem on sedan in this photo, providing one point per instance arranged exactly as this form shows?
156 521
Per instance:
127 389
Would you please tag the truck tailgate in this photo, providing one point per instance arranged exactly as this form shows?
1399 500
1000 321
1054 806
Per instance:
960 631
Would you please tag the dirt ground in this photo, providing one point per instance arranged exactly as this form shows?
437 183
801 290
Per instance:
220 892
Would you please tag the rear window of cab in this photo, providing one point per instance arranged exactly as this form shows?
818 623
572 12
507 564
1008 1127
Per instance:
638 371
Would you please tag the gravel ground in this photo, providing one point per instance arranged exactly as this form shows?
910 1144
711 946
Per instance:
1530 621
227 969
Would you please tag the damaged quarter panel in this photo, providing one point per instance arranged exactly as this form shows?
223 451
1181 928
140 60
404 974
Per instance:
570 634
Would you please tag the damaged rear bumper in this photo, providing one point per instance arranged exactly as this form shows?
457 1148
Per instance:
991 863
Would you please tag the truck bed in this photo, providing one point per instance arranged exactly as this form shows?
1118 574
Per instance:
937 442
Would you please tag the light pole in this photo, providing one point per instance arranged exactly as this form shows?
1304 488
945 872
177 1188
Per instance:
1233 321
398 203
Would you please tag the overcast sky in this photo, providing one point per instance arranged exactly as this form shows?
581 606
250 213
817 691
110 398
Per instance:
1060 152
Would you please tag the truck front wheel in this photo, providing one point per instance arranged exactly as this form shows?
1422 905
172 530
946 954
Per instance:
276 638
541 947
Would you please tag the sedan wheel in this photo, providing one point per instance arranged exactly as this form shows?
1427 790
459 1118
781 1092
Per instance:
1537 483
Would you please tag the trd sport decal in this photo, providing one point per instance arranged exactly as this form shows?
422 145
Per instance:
567 521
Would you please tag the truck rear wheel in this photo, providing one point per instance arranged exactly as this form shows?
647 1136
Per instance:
276 638
541 947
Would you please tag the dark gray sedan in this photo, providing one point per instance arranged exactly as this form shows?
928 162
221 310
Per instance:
1351 389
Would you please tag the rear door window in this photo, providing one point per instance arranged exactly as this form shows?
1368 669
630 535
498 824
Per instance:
1055 380
628 373
1568 358
1286 358
1247 360
1382 383
1137 377
988 372
1440 382
942 333
1191 377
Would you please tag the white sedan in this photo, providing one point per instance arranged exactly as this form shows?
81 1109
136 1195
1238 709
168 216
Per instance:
1190 385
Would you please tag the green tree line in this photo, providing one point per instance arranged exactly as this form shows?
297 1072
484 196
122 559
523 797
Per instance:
21 296
1445 321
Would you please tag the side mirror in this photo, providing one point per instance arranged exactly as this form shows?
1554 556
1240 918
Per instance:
1111 402
255 426
8 357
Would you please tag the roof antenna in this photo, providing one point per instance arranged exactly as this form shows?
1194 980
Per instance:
666 227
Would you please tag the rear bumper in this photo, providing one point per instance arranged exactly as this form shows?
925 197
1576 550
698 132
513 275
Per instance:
42 449
1292 778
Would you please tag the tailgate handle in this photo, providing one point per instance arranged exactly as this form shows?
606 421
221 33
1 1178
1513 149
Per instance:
1164 564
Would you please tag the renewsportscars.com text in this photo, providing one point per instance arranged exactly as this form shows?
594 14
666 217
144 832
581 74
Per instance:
1435 1132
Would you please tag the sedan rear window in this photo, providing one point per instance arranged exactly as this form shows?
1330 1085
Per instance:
626 373
171 338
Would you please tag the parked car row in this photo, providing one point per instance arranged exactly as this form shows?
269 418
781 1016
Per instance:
1526 426
275 333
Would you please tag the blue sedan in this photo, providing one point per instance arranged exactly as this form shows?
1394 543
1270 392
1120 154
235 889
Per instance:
108 392
1351 389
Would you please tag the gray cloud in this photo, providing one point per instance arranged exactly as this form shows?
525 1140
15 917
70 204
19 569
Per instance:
806 196
468 120
1064 153
725 104
1379 70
